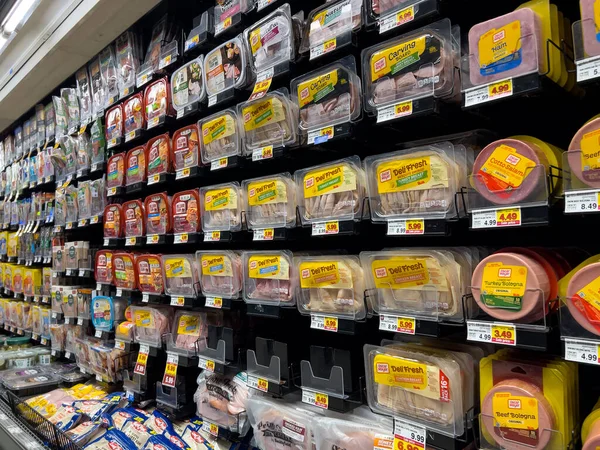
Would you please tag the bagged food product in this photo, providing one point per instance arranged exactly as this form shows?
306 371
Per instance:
185 210
84 200
185 148
187 84
156 101
116 171
57 336
417 64
135 216
221 137
84 299
220 273
76 253
331 191
221 207
106 312
99 91
194 439
98 196
269 277
225 67
113 221
150 274
124 275
158 218
108 68
85 432
50 124
222 400
119 416
136 166
188 328
71 102
69 300
112 439
133 113
114 123
159 155
103 267
269 121
270 201
127 62
84 94
98 141
328 96
333 20
180 275
151 323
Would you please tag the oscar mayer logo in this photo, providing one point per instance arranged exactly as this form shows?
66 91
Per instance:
383 368
499 36
514 403
513 159
504 272
144 267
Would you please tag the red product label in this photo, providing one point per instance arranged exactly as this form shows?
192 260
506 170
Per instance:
444 387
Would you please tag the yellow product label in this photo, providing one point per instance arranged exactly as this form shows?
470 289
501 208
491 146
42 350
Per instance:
217 199
219 128
216 265
263 112
515 412
590 151
329 181
412 174
255 42
393 59
178 268
500 43
325 274
188 325
265 192
597 25
507 166
268 266
408 273
316 88
144 319
503 286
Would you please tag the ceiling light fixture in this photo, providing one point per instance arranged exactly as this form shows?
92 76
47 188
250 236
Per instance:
15 15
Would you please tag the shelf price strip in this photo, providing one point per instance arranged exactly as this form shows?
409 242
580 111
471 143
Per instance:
496 218
488 93
494 333
324 323
257 383
582 201
409 226
582 351
404 325
408 436
170 370
314 398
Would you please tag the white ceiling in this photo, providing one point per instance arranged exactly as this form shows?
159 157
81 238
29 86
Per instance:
59 37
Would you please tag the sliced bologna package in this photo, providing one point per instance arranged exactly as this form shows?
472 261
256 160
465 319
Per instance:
157 101
114 123
220 273
133 112
187 84
135 217
584 154
116 171
221 207
185 208
269 121
188 328
269 277
180 275
185 148
113 221
417 64
151 323
135 162
271 41
270 201
159 155
221 136
225 67
420 181
578 290
589 27
150 274
328 96
158 217
590 430
124 274
332 191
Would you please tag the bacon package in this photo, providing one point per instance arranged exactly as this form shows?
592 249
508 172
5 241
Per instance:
133 112
221 137
269 277
114 123
116 171
220 273
157 99
270 201
180 275
225 67
158 217
135 218
113 221
150 274
124 274
185 209
136 166
187 84
185 147
221 207
159 155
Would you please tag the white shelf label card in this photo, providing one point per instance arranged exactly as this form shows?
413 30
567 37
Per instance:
257 383
214 302
314 398
582 201
409 436
263 234
496 218
588 69
582 351
492 332
406 227
493 91
324 323
206 364
321 135
396 111
323 228
397 19
404 325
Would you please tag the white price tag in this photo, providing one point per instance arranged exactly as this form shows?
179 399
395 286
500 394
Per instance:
164 62
479 331
80 321
68 355
257 383
180 238
496 218
153 179
404 227
153 122
214 302
106 242
321 135
98 334
493 332
111 191
317 399
98 377
476 96
263 4
212 236
219 164
212 100
321 49
582 201
177 301
145 298
119 292
263 234
120 345
182 173
130 136
588 69
206 364
324 323
262 153
396 111
323 228
396 19
130 241
152 239
397 324
581 351
487 93
112 143
409 435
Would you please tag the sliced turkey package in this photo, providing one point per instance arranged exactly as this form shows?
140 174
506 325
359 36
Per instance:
220 273
270 201
269 277
180 275
221 207
221 136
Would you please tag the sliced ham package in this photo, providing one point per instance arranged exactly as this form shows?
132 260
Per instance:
269 277
220 273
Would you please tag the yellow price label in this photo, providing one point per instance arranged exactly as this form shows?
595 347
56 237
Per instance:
170 372
167 60
405 16
218 302
185 172
403 109
500 89
210 365
214 429
152 239
140 365
216 236
330 45
406 325
415 226
196 39
262 384
261 88
322 400
227 23
508 217
268 234
504 334
82 129
331 324
332 227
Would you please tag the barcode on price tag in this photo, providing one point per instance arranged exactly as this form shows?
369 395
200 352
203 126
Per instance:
582 201
404 227
409 436
581 351
496 218
588 69
323 228
493 332
324 323
315 398
258 383
404 325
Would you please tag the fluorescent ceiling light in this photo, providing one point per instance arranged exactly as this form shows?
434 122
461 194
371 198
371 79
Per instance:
3 40
16 15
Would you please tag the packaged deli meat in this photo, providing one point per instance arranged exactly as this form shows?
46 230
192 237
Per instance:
270 201
332 285
149 274
331 191
84 94
269 121
582 155
180 275
98 141
417 64
271 41
106 312
124 274
158 217
187 84
354 432
328 96
589 27
380 8
221 136
114 124
221 207
229 10
188 329
157 98
113 221
128 63
185 148
151 323
133 113
420 181
220 273
226 67
185 210
159 155
269 277
135 163
135 217
116 171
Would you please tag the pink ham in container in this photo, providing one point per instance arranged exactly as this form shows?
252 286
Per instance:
133 112
512 44
583 167
514 439
583 312
185 147
158 152
116 171
113 221
103 267
220 273
515 156
150 274
124 274
151 323
158 218
589 28
135 218
186 213
114 123
188 327
535 296
135 163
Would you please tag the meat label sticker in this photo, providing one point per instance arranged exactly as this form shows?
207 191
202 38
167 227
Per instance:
263 112
267 191
404 325
582 351
500 49
317 399
325 274
170 370
587 300
270 267
210 428
392 60
412 174
505 170
215 265
408 436
218 128
329 181
503 286
316 89
512 413
218 199
383 442
397 19
188 325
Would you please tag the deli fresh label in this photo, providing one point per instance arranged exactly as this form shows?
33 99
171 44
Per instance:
325 274
400 273
219 128
405 174
217 199
188 325
216 265
265 192
329 181
263 112
268 266
178 268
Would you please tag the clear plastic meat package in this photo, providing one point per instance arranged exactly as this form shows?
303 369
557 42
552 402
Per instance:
180 275
188 328
270 201
220 273
151 323
226 68
187 84
221 207
221 136
269 277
